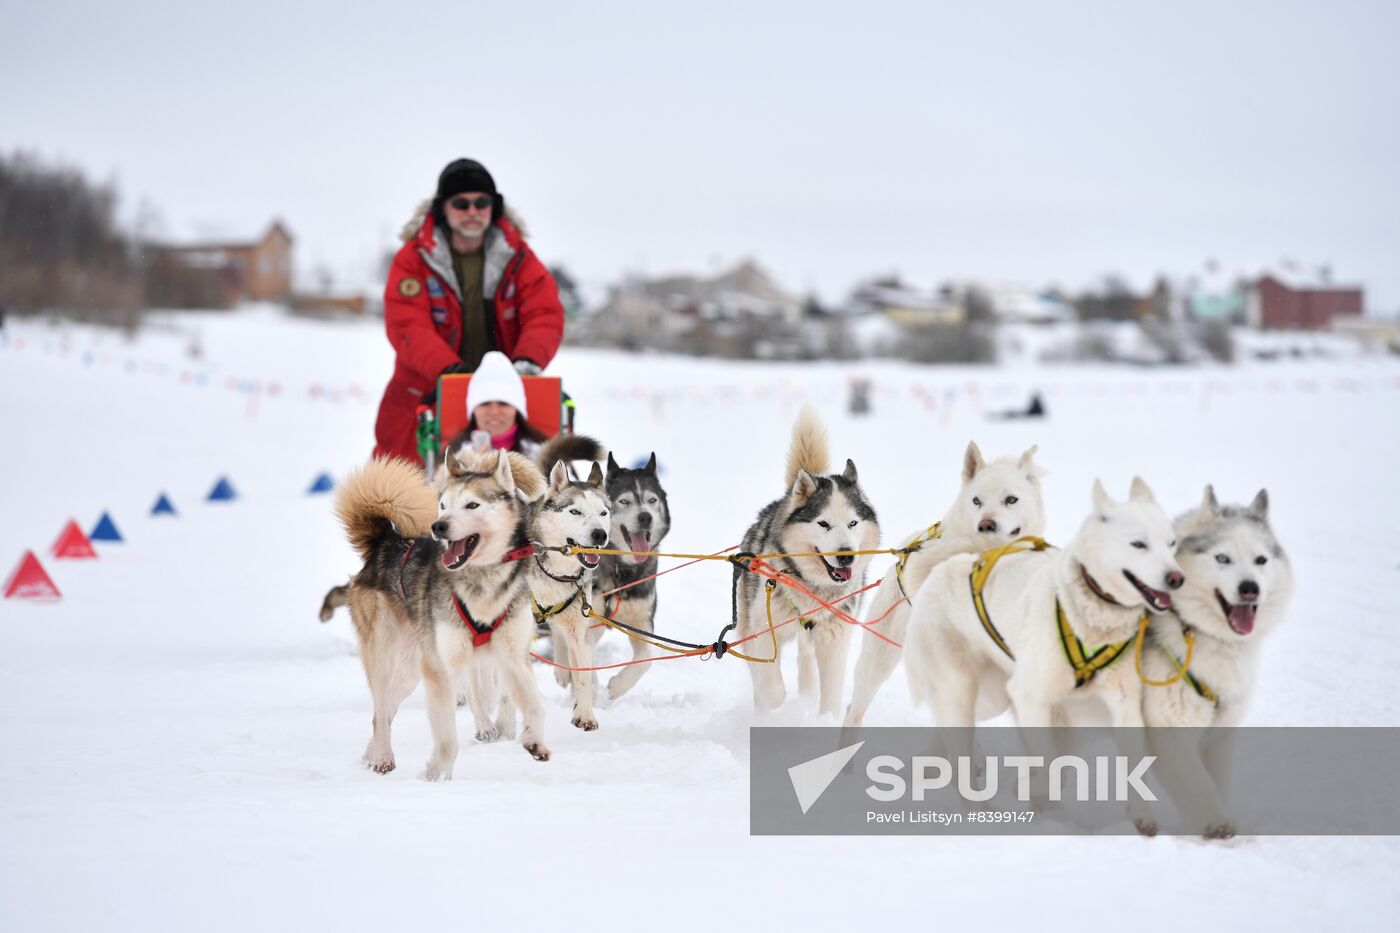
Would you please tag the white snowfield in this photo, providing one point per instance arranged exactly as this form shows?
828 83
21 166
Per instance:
181 737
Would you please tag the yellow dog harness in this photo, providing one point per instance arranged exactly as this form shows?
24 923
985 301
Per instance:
932 533
1085 664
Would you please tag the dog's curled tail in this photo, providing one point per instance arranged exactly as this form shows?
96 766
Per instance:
385 493
336 597
568 447
809 449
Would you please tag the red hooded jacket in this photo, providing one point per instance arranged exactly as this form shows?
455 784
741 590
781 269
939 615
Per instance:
423 317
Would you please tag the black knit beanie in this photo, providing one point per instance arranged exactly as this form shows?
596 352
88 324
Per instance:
466 175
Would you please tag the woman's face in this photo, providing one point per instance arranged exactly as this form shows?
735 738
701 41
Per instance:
495 418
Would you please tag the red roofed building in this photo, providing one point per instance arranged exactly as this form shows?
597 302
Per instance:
1274 303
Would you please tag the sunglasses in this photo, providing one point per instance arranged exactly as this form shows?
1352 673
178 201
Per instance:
462 204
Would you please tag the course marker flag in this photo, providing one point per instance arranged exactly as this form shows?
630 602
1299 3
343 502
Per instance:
29 581
73 543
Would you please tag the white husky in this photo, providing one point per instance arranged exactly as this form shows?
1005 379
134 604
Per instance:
817 515
998 503
1238 585
1055 624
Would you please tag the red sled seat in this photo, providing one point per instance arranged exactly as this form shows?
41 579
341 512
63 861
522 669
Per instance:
544 407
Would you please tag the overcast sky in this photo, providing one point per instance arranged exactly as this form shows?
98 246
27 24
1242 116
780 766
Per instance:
1029 143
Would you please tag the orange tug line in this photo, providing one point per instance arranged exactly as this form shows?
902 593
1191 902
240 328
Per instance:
771 574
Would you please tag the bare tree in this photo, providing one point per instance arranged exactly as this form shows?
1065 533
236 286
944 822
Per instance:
59 245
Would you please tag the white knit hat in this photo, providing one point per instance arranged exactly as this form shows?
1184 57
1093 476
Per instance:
495 380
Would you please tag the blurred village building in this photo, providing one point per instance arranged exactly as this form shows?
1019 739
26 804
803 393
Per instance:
219 274
907 305
722 315
1289 298
743 313
1294 300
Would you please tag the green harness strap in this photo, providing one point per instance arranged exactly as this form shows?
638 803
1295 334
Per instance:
544 613
805 621
1202 689
1086 665
982 569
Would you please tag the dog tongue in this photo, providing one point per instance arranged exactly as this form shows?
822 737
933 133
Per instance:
638 542
843 572
1242 618
454 552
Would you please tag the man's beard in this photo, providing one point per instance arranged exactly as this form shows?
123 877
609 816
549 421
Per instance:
469 231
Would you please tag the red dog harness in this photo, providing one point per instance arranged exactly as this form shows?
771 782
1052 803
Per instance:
480 635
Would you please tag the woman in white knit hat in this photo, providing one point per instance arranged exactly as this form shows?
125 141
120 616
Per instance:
496 410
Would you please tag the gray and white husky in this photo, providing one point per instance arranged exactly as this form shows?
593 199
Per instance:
998 503
443 593
576 514
1122 561
641 519
819 514
1238 586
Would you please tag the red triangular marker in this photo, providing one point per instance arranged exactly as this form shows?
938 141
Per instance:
73 543
29 581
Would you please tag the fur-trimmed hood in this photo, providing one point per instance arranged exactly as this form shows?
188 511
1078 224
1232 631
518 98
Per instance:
504 241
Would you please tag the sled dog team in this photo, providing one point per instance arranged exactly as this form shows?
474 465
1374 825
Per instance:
456 577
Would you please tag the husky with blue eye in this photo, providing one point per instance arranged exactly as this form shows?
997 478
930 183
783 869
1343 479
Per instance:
1238 586
819 517
571 514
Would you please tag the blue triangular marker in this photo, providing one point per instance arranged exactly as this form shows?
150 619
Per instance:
163 506
106 530
322 484
222 491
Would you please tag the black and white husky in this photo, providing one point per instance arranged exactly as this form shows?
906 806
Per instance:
1238 586
819 514
641 519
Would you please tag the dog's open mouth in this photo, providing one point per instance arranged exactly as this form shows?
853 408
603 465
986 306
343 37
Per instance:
459 551
1240 615
837 574
588 560
638 543
1156 599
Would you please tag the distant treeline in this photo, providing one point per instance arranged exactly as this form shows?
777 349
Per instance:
60 248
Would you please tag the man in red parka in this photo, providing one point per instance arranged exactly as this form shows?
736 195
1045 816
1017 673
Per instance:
465 282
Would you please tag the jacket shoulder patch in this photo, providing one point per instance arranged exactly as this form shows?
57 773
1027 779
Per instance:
410 287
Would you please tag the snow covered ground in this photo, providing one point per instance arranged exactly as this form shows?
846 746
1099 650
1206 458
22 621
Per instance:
182 736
